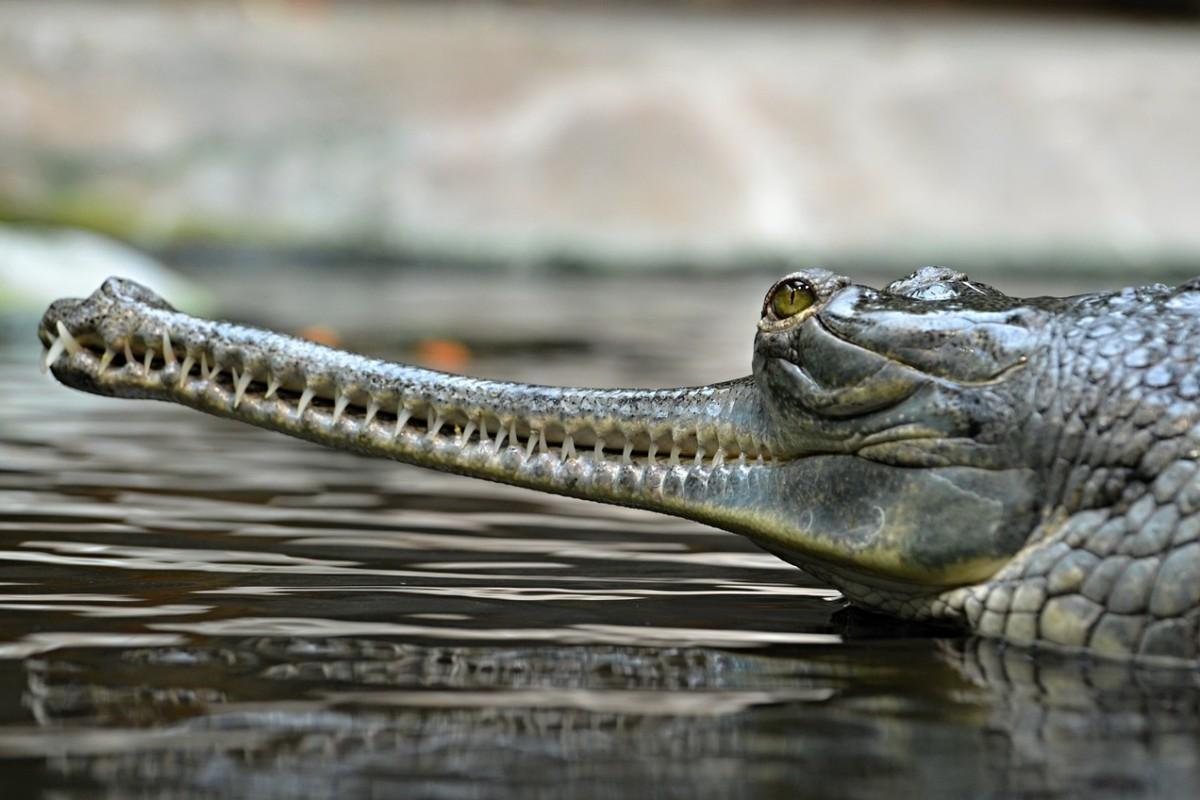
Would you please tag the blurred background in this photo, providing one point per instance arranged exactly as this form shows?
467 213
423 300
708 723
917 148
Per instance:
484 167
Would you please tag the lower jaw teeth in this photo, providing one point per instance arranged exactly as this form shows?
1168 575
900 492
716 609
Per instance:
563 450
52 354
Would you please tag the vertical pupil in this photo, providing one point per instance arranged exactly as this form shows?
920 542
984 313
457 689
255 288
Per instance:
788 298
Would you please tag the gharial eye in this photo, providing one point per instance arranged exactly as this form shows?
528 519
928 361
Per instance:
789 297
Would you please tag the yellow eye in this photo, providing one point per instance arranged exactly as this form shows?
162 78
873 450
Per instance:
789 297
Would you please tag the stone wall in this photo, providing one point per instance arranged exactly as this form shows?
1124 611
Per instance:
606 137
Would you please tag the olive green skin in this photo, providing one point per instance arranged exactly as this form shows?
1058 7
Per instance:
1026 468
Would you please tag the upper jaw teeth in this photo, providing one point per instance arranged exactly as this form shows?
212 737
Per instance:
57 346
192 375
60 343
68 340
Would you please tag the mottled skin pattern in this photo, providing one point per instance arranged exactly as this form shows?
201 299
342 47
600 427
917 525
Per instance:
1115 564
1026 468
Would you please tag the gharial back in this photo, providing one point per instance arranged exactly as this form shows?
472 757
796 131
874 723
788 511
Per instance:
1114 566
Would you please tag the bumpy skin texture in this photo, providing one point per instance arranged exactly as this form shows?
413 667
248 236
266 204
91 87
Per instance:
935 449
1114 427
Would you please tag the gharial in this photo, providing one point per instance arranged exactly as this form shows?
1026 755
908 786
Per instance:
937 450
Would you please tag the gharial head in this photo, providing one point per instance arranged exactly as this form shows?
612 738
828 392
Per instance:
909 375
880 442
904 417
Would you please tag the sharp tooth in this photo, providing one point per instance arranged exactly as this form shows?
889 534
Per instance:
568 447
56 350
305 398
215 371
542 446
483 431
149 359
185 368
106 359
500 434
741 459
759 459
718 458
168 350
272 387
466 434
203 365
674 455
627 452
67 339
372 410
531 443
699 456
434 421
339 406
512 434
653 451
598 449
402 416
129 359
240 384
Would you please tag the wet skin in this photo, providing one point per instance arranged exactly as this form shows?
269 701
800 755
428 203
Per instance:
937 450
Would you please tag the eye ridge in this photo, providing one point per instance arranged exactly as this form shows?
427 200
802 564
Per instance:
788 298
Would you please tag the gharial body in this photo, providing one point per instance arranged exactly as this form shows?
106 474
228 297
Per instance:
938 450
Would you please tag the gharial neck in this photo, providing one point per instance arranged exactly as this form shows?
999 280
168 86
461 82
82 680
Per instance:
1114 395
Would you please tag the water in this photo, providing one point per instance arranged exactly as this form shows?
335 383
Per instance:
189 607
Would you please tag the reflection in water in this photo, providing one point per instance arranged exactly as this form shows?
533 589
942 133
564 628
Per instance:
1100 729
188 607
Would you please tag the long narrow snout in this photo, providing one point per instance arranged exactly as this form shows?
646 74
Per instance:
672 450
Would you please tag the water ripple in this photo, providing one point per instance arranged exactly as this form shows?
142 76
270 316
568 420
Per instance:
572 634
192 608
35 643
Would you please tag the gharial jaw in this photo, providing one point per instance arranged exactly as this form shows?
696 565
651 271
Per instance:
673 450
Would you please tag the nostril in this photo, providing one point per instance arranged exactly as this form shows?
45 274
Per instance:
125 290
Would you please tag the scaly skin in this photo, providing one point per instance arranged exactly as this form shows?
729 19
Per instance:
937 450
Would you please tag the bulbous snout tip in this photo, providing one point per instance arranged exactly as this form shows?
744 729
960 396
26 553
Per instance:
82 315
123 290
65 312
